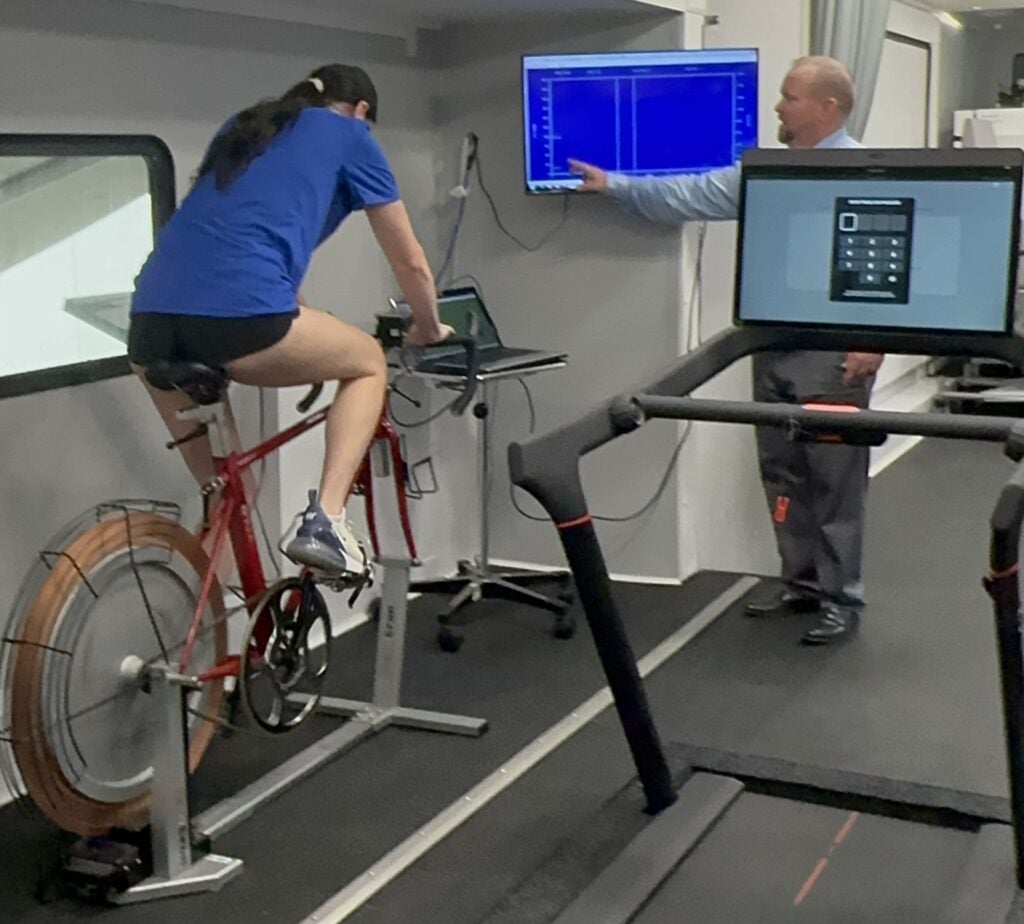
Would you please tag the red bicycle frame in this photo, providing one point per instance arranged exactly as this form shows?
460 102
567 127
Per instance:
231 516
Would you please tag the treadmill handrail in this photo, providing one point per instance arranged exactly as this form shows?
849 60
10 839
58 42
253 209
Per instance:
547 465
817 420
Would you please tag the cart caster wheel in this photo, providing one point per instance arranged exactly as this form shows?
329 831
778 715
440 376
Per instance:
565 626
449 641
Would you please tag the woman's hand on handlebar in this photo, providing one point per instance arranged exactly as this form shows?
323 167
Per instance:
417 336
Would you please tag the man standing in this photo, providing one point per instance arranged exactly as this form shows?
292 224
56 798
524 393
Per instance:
816 493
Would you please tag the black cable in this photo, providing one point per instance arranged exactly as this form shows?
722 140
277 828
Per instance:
411 425
501 226
476 282
529 402
692 333
520 511
623 519
692 329
661 485
693 318
449 255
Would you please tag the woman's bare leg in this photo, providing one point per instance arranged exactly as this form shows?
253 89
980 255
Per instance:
196 453
321 348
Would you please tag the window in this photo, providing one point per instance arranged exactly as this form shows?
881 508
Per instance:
78 214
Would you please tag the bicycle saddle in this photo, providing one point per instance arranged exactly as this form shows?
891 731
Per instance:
203 384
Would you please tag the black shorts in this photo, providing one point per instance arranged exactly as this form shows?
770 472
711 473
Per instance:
194 338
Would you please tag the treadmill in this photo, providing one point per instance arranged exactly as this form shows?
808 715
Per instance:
890 251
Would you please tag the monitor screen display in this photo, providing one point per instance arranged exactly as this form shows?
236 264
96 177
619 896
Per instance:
639 113
870 239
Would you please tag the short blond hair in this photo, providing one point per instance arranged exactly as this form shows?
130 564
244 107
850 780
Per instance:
831 79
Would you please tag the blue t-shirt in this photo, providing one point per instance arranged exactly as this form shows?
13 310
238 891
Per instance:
244 250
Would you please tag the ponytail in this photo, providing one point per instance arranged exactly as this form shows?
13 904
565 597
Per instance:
254 128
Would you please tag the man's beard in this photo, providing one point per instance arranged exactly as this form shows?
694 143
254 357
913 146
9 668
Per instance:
784 134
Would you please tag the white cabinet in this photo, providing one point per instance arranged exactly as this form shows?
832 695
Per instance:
1007 127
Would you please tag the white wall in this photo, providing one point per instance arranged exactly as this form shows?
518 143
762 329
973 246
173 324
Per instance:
724 499
914 75
920 26
606 288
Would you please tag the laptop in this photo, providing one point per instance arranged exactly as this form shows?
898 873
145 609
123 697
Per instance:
464 310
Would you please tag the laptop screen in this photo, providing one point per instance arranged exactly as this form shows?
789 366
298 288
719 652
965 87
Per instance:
911 240
464 310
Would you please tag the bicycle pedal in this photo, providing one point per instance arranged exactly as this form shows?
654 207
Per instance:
339 582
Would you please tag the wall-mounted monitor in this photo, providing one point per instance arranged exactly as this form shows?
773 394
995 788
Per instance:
913 240
645 113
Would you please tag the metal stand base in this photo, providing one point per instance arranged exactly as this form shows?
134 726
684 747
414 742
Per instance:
478 580
369 719
205 875
173 832
366 718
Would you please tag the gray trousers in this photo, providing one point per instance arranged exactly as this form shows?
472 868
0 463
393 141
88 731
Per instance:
816 492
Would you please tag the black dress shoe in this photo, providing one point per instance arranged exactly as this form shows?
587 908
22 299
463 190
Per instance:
836 623
780 602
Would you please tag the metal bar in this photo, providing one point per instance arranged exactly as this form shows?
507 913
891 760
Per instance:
1003 585
965 427
245 459
425 720
483 475
394 445
207 874
391 623
172 845
226 512
225 815
593 584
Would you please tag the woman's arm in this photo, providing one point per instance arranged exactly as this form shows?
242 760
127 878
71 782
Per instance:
393 230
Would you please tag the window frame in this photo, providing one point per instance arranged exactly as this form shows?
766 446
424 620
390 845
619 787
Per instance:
160 166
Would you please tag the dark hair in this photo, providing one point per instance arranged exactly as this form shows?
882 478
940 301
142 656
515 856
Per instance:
254 128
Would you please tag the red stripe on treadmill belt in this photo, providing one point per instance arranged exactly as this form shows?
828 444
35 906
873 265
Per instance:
819 867
805 890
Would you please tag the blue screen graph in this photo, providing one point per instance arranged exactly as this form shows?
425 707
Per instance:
638 113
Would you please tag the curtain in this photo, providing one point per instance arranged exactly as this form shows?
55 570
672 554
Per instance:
852 31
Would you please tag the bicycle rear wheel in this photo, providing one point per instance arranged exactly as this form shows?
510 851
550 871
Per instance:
122 582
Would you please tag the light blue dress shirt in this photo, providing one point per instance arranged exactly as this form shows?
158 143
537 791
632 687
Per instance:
711 196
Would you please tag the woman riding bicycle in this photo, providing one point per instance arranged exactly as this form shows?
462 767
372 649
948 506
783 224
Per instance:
222 284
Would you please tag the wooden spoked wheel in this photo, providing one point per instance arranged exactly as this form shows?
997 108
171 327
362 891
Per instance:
83 734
